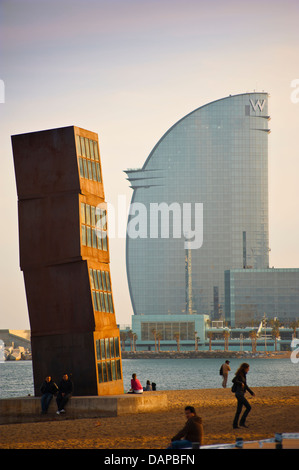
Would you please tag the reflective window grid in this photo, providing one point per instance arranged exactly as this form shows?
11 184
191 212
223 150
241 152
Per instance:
101 290
89 159
94 227
108 359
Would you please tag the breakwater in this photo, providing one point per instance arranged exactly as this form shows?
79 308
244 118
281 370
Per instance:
201 354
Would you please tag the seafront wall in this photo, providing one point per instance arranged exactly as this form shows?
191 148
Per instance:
201 354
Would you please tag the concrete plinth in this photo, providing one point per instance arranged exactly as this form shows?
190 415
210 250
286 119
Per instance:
28 409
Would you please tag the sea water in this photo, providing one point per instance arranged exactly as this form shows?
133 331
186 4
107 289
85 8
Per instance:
16 378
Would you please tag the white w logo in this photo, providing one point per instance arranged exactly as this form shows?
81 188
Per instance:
258 104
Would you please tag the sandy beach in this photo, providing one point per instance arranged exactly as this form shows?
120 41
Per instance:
274 409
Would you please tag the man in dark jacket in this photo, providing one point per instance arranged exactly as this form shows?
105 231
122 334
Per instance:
192 431
65 391
48 389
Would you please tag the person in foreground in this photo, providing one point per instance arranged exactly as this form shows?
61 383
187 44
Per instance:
136 386
239 388
65 390
192 431
48 389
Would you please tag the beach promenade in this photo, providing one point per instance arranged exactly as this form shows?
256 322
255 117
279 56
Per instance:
274 410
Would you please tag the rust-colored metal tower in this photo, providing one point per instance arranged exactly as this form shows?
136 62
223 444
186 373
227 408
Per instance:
64 256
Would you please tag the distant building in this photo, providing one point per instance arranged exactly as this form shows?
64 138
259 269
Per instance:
163 329
251 293
196 332
217 156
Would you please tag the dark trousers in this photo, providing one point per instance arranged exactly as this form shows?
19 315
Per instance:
62 400
241 402
45 401
183 444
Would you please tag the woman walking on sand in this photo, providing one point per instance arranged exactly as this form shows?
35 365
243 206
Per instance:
239 388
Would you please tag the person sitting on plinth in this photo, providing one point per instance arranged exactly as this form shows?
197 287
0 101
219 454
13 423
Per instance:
148 387
65 391
136 386
48 389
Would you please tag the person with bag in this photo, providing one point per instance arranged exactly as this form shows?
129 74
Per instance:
239 388
224 370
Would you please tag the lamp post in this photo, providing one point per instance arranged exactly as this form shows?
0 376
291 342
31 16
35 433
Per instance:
265 327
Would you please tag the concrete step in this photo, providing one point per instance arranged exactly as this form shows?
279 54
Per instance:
28 409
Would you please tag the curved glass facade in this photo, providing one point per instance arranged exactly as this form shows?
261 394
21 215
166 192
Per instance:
217 156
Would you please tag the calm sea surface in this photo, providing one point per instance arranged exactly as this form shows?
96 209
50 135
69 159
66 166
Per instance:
169 374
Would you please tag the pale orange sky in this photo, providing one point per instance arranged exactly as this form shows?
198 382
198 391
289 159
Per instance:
128 70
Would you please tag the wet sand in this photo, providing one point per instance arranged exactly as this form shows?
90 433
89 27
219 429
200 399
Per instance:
274 409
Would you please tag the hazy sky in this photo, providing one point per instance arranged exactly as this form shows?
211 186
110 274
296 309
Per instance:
128 70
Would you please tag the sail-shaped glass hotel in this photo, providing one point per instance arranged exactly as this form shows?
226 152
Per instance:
217 156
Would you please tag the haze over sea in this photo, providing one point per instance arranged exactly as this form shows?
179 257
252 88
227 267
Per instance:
16 378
